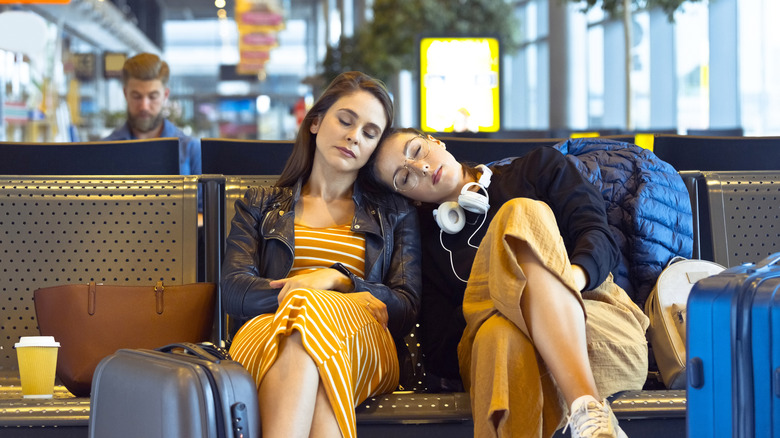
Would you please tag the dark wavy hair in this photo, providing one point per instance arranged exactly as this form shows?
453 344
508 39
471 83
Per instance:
299 165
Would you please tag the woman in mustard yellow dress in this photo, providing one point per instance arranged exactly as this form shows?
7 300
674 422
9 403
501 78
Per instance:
326 276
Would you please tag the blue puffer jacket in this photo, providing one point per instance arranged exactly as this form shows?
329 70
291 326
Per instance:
648 207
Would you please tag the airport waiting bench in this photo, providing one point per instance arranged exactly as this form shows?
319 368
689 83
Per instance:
48 222
75 229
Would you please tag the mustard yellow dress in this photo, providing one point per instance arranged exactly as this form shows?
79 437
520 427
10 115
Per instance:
355 355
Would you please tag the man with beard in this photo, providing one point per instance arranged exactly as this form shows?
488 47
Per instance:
145 85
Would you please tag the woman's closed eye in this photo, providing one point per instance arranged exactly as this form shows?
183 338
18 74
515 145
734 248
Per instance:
415 152
369 134
403 176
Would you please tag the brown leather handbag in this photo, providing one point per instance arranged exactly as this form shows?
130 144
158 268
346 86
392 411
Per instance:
92 321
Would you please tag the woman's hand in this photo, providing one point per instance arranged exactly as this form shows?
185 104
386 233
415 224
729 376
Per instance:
580 277
331 279
374 306
322 279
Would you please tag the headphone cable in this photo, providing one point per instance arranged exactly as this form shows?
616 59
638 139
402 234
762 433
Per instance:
468 242
484 218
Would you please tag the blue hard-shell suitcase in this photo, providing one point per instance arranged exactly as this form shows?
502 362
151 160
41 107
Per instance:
733 347
177 391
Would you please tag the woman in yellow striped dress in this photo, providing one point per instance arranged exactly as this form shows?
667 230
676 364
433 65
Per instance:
326 276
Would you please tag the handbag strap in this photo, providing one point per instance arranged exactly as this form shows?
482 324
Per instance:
676 259
158 297
91 297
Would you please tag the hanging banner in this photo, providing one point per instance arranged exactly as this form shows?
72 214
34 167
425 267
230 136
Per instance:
255 55
249 68
258 22
259 39
264 19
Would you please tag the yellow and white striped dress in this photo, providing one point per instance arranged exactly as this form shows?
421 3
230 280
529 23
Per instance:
355 355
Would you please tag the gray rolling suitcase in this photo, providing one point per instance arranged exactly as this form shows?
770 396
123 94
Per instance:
180 390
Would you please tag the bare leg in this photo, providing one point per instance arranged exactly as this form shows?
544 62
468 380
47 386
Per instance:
324 423
556 323
288 392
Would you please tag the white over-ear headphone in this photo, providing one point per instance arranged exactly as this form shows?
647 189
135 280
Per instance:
450 215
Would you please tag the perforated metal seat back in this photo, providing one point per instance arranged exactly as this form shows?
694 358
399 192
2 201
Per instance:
110 230
744 216
236 187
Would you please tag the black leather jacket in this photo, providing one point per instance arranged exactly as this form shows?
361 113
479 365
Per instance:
260 248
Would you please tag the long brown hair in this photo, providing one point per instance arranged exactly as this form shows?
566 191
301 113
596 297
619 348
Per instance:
301 159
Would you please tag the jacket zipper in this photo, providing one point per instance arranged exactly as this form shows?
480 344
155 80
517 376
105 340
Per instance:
284 241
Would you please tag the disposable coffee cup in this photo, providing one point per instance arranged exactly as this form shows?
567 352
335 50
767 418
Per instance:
37 356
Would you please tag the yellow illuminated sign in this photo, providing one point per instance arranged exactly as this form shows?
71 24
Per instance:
583 134
645 140
459 84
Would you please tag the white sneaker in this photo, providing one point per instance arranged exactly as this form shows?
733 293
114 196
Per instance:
591 418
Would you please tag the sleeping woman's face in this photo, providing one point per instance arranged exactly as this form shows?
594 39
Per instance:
349 132
419 167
